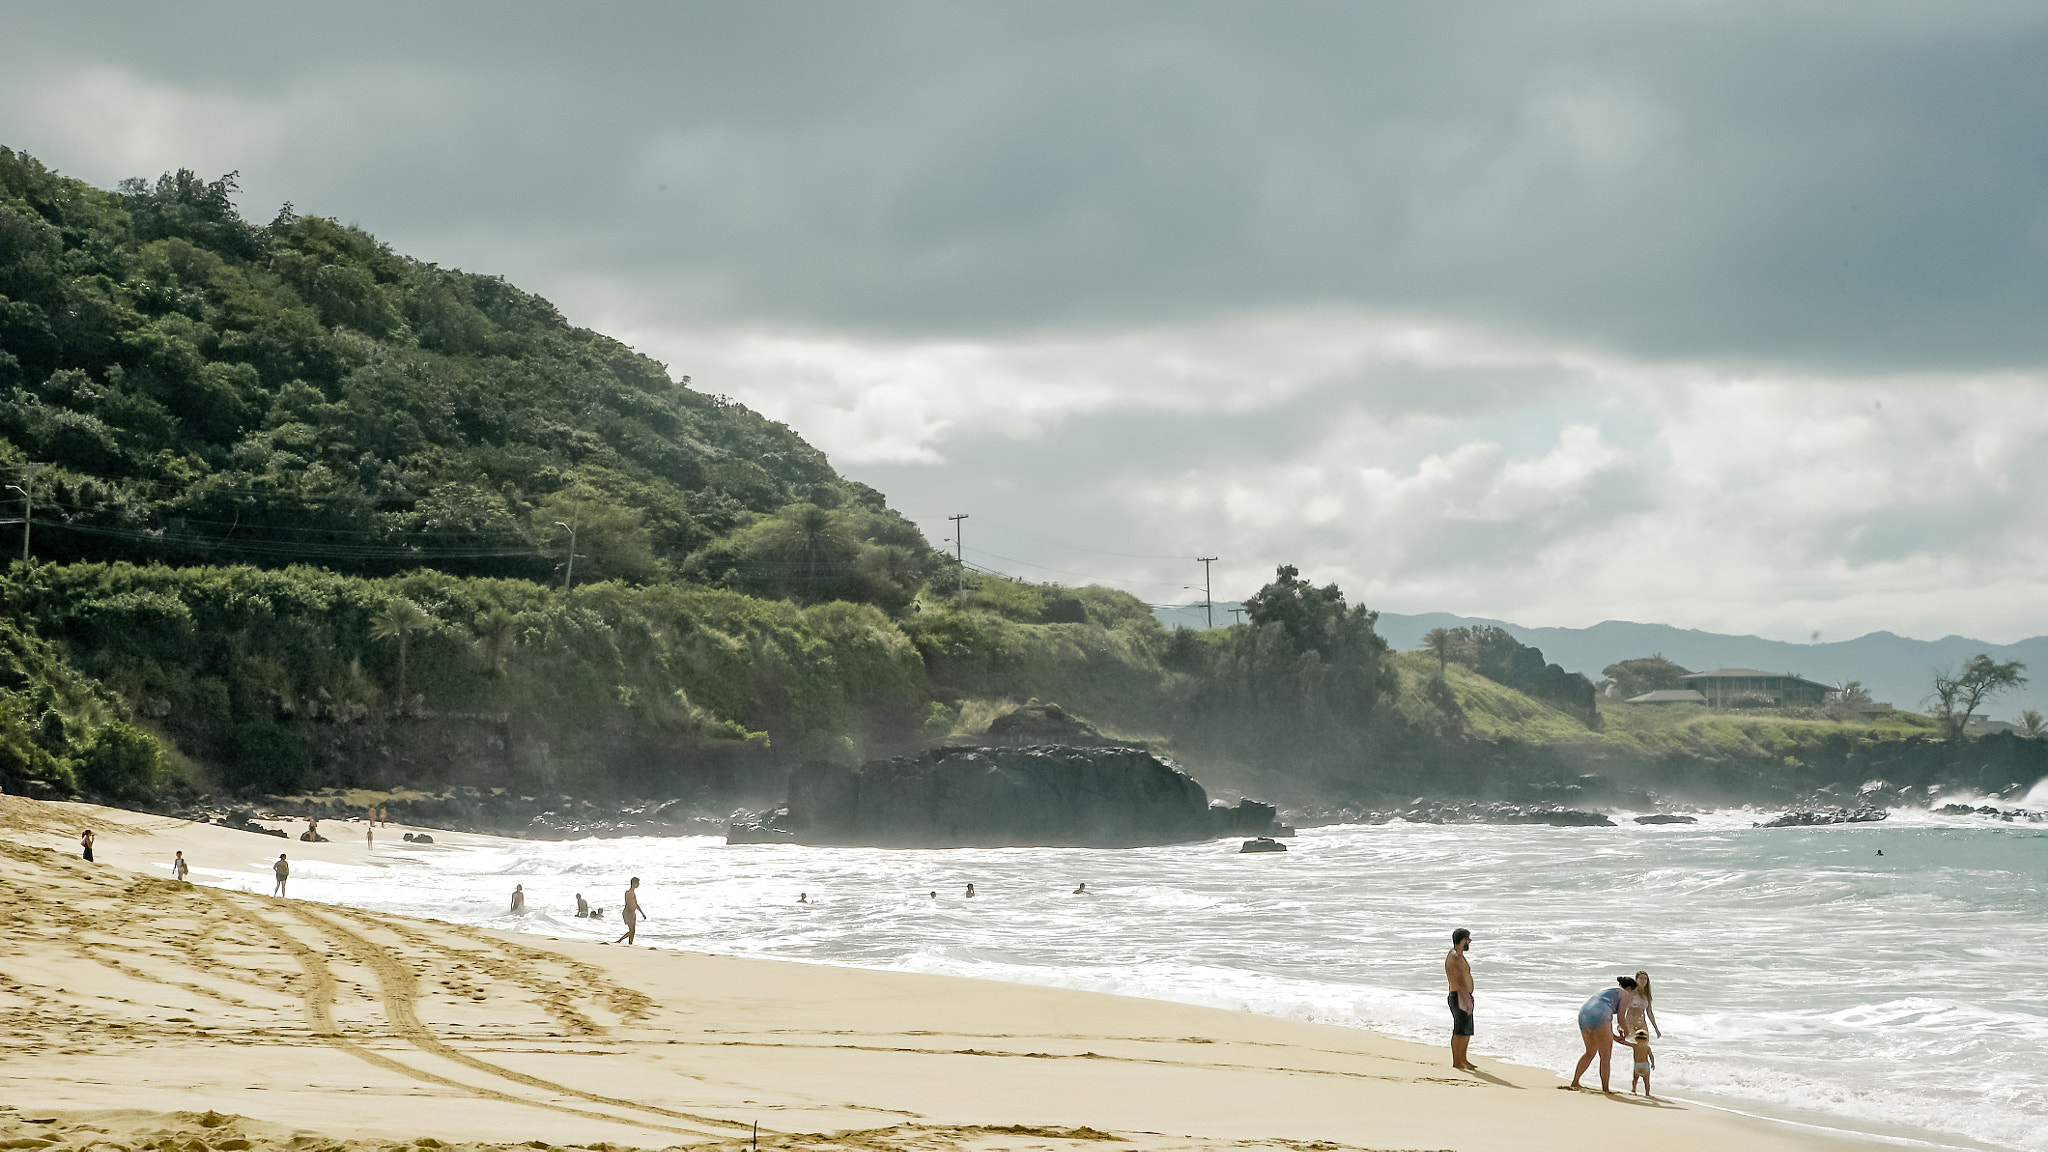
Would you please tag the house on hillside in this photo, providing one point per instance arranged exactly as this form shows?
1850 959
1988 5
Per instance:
1724 686
1668 696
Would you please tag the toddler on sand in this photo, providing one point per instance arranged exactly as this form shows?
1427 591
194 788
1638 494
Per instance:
1645 1060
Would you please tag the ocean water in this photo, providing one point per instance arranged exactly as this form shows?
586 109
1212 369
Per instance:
1798 974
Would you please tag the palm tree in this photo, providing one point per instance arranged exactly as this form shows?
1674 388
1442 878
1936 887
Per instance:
496 633
398 620
2033 724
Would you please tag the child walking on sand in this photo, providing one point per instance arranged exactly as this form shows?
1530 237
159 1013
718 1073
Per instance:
1645 1060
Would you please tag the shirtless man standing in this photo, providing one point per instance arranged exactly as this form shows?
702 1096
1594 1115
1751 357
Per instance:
631 912
283 870
1459 972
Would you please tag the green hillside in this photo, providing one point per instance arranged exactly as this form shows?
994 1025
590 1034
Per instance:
177 384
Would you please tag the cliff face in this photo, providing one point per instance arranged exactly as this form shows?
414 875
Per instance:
992 797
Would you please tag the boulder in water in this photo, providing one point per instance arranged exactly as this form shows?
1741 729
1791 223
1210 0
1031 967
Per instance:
1667 818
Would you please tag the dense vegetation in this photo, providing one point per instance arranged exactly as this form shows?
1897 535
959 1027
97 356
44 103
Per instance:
307 512
178 384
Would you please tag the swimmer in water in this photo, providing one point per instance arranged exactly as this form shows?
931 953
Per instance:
803 897
1081 889
519 898
970 891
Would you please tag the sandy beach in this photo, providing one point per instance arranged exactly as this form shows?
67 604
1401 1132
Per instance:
141 1012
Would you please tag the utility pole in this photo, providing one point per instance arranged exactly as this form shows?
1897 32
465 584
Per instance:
569 572
28 514
1208 601
1236 617
959 553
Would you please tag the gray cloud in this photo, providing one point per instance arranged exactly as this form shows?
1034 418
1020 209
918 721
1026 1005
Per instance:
1843 184
1515 310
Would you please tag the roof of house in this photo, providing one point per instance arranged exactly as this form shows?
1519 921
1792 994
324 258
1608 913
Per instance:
1669 696
1752 673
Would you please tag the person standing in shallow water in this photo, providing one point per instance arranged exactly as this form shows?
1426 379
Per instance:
1458 971
631 912
1637 1010
519 898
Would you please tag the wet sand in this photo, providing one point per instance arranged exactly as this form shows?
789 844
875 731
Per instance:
140 1012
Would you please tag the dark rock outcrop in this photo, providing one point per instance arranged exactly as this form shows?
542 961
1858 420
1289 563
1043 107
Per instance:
1036 724
1249 818
1808 818
1500 813
1667 818
1049 796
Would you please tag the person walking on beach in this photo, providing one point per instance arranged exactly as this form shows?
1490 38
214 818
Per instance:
631 912
370 835
1597 1028
85 844
178 868
283 870
1458 971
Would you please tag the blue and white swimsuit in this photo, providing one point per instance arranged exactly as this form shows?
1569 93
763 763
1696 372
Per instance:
1600 1009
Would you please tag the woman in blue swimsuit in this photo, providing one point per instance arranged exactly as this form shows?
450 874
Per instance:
1597 1023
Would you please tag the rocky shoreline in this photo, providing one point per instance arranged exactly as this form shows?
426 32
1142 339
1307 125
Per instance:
561 817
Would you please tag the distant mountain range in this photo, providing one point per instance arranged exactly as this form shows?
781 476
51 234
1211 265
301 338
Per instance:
1894 668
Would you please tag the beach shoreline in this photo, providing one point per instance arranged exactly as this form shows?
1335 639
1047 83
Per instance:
128 993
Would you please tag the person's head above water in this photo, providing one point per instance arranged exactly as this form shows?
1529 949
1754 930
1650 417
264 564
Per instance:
633 883
1460 939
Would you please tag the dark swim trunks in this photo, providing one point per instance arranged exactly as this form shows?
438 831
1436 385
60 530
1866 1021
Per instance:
1461 1020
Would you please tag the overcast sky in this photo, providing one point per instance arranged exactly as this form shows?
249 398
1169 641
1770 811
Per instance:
1721 315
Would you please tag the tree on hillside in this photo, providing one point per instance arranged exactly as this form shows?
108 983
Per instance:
1643 674
1313 618
2032 724
398 620
1441 643
1958 693
497 631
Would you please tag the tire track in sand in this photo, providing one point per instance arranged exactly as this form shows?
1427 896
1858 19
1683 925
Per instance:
400 992
319 999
